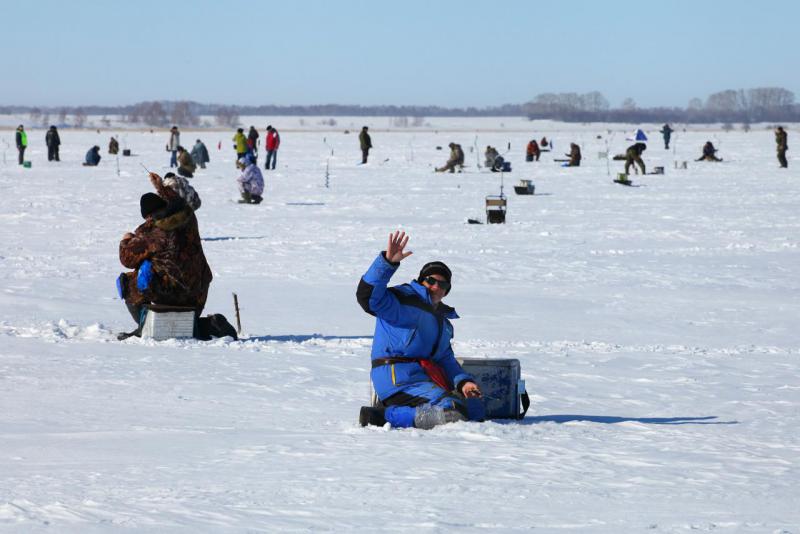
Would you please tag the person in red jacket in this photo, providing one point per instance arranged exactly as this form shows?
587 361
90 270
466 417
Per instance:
532 151
272 144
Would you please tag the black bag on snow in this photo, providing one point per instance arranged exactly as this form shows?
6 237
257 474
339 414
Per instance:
214 325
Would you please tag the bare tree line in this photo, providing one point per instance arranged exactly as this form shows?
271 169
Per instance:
761 104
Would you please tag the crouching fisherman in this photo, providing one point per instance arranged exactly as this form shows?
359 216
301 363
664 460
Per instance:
415 374
251 181
167 256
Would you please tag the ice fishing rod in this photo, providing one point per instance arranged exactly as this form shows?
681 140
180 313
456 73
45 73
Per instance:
328 164
238 318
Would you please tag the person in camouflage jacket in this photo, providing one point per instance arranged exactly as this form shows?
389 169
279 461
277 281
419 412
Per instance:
169 238
456 159
574 155
634 156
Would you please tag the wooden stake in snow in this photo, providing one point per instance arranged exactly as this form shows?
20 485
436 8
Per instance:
238 318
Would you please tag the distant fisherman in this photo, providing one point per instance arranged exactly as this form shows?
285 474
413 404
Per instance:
782 142
709 153
666 131
251 181
53 141
634 155
574 155
365 141
22 143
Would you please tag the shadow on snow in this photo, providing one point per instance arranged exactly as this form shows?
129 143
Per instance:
231 238
610 420
297 338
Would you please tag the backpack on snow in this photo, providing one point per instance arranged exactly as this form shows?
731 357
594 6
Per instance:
214 325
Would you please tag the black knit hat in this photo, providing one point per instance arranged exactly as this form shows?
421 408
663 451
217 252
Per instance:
435 267
150 203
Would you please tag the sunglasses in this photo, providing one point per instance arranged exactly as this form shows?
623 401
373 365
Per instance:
431 281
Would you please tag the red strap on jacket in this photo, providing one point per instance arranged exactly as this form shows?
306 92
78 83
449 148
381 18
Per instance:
436 374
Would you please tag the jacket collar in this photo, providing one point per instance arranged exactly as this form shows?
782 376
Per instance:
171 221
443 309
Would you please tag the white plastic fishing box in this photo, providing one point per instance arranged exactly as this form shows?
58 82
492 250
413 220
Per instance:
168 322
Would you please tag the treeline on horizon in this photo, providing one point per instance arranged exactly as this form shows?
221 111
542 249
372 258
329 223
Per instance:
761 104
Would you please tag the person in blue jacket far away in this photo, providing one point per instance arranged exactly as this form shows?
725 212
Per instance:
416 377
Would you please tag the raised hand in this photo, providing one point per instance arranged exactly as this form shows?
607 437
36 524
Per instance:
395 249
155 180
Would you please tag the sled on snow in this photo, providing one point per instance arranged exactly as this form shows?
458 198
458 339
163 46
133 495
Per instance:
525 187
623 179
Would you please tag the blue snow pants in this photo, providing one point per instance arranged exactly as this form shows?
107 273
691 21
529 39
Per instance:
402 407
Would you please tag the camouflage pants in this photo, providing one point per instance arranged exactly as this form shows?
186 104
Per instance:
630 161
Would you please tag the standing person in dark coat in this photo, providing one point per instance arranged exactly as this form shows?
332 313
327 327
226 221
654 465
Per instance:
113 146
53 141
414 371
272 143
21 139
782 142
92 157
666 131
366 143
167 245
252 142
634 155
200 154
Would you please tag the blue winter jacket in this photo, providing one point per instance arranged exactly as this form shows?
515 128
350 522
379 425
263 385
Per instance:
92 157
406 326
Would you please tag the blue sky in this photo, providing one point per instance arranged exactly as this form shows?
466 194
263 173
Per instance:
448 53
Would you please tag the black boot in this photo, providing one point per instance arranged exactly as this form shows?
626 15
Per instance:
371 416
135 312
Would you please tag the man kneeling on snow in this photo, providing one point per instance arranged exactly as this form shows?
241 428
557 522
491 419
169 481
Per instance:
418 380
167 256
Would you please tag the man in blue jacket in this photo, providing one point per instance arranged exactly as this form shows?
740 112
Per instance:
415 374
92 157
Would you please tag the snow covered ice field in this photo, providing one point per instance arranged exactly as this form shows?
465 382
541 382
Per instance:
657 327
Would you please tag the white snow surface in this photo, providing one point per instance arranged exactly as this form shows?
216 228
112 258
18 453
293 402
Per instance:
657 327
